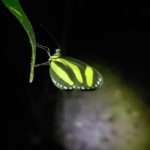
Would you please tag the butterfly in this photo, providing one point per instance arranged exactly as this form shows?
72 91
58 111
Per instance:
68 73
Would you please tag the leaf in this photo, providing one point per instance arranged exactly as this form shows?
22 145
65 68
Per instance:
15 8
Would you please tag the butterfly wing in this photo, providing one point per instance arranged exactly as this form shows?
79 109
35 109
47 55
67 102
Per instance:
68 73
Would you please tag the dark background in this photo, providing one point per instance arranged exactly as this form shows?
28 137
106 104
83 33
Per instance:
112 33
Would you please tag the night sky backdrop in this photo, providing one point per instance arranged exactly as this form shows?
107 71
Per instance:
112 33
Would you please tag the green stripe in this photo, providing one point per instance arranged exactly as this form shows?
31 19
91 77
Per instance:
89 75
73 67
61 73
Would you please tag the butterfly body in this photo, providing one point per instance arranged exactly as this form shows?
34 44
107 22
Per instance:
68 73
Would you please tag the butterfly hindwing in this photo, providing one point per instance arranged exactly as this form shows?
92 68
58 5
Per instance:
68 73
92 78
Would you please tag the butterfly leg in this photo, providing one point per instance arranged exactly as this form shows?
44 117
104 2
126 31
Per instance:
42 64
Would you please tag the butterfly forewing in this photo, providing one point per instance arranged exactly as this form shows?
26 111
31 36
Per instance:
68 73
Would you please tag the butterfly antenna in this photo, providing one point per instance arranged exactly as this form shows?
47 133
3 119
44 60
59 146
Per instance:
45 48
50 35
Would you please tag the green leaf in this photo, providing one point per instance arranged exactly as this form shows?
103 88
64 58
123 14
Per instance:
16 9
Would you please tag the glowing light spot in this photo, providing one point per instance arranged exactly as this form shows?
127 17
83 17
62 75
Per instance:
82 87
65 87
70 88
96 85
98 82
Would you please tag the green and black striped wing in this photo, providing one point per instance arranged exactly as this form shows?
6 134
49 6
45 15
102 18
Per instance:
72 74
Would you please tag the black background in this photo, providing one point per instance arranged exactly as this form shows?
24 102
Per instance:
114 33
